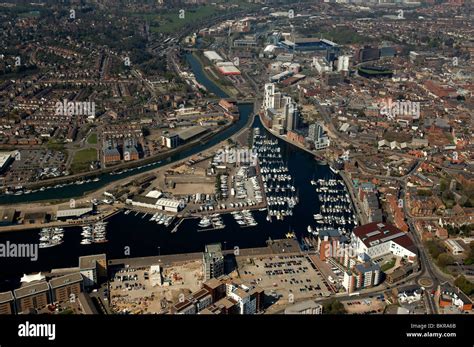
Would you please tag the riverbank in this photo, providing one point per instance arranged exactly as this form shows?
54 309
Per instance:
129 165
231 91
285 138
99 193
144 237
350 188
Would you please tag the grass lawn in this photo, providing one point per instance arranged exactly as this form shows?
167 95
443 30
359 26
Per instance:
170 22
82 159
92 139
388 265
55 146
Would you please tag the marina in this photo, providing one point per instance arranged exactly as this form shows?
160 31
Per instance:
281 193
335 207
94 233
291 207
50 237
185 235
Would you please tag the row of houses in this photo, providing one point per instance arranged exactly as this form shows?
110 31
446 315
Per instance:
37 293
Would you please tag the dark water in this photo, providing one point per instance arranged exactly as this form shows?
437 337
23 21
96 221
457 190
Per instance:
145 238
202 78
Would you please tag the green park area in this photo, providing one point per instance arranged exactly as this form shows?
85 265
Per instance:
82 160
388 265
92 139
175 20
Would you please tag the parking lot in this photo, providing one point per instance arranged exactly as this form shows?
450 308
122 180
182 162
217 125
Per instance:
34 165
286 278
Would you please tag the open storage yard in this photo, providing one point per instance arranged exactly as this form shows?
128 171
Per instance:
138 290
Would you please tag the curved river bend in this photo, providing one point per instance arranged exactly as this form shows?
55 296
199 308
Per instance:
145 238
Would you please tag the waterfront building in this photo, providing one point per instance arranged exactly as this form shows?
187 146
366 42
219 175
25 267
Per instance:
213 56
71 213
93 268
213 261
227 68
7 217
291 114
7 303
67 287
170 140
377 239
317 136
268 100
6 158
111 152
330 243
162 204
32 297
130 151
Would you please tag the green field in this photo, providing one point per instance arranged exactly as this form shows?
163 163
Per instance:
82 160
388 265
170 21
92 139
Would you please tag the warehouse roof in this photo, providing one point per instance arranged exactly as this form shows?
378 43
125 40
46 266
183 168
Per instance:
31 289
167 202
229 69
154 194
73 212
189 133
65 280
88 262
5 297
212 55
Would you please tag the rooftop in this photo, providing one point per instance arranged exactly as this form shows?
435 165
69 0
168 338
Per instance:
89 261
374 233
31 289
5 297
65 280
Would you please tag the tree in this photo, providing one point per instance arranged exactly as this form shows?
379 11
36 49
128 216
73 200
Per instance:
466 286
333 307
470 258
444 259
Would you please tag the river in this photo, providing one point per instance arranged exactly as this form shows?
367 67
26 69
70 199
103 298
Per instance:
145 238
